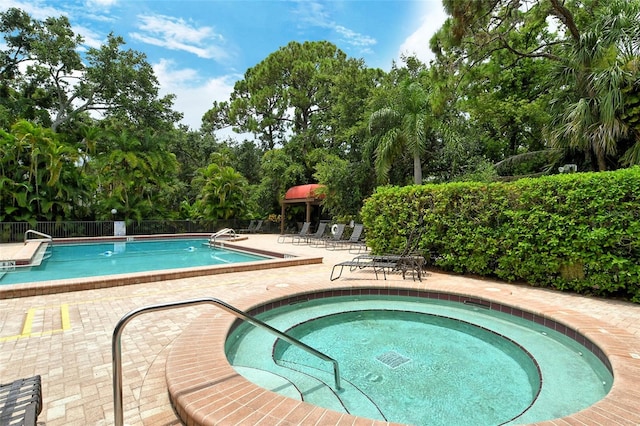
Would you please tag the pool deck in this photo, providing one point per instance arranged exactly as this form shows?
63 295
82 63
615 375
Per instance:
66 338
19 253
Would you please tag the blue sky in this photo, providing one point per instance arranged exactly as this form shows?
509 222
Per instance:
200 48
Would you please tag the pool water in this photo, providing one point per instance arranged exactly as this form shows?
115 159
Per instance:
374 358
421 362
97 259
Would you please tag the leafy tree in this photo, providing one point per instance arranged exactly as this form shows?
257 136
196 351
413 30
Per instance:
590 60
345 123
40 178
136 175
302 100
475 29
342 197
44 78
279 172
193 151
223 191
245 158
24 95
497 79
122 84
453 149
292 92
603 66
508 105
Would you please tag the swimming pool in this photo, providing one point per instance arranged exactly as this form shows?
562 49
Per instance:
81 260
410 361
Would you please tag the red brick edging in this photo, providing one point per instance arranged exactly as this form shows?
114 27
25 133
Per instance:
205 389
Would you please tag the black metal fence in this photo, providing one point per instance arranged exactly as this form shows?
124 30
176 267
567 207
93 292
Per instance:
14 231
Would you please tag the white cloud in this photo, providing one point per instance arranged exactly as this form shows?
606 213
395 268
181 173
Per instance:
313 13
417 44
104 4
354 38
176 34
177 28
193 100
91 38
34 9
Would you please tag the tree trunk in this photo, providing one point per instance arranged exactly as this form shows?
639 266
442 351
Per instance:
602 162
417 170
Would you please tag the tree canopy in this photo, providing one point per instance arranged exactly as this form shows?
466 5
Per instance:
46 79
515 89
572 62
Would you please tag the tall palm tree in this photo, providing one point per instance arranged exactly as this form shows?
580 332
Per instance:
401 127
602 63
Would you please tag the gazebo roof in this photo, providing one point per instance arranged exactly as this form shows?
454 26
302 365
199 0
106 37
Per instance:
303 193
300 194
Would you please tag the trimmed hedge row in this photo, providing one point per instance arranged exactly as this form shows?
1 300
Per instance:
577 232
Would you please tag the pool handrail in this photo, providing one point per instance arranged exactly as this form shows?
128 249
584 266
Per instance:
224 231
116 349
40 234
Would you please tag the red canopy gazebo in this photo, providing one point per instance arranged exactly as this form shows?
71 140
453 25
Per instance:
298 195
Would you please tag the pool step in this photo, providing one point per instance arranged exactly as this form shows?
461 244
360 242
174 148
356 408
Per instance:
270 381
32 253
350 398
40 254
293 384
315 382
6 266
311 386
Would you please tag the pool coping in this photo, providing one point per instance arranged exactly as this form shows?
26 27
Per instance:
205 389
278 260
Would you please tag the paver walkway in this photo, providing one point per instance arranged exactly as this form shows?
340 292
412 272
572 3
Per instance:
66 337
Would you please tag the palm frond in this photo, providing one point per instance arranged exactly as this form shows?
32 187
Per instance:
632 156
382 120
552 154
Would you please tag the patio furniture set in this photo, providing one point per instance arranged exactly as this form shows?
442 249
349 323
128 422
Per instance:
407 261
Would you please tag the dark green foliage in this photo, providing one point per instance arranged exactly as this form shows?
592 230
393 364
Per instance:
222 192
39 179
577 232
342 197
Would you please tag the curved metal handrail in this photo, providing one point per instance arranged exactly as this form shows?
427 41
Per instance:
41 234
225 231
116 350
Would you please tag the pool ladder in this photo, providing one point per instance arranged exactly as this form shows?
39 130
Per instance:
116 349
42 236
44 251
225 231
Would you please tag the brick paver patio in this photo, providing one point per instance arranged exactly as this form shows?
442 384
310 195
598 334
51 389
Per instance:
66 337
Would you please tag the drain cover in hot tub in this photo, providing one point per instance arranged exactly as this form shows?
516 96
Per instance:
392 359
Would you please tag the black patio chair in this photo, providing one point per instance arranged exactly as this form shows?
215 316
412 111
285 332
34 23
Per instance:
250 228
21 401
337 230
304 239
304 231
355 240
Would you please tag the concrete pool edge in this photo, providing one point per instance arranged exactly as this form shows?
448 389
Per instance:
205 389
278 260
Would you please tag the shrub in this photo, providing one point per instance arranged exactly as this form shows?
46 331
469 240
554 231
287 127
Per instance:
578 232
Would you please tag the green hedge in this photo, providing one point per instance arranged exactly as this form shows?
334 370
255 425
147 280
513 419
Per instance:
578 232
